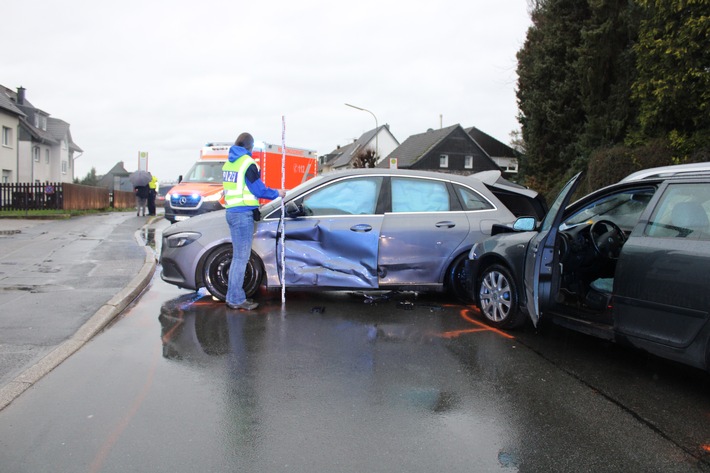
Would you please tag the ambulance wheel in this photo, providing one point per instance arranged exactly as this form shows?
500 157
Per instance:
215 273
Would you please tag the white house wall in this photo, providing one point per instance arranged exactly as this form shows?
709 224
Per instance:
42 170
8 154
24 169
386 144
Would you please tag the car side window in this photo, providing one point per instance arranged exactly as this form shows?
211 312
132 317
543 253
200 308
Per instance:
682 212
472 200
346 197
419 195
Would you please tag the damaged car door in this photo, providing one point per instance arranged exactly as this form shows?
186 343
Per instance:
332 241
420 232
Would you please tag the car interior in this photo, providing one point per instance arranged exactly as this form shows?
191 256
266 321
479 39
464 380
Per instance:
591 238
590 242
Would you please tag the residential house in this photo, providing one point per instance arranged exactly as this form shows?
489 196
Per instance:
504 156
10 117
448 149
117 179
379 140
45 149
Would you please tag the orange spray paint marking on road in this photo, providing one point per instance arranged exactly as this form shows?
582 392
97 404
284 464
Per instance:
705 448
466 316
456 333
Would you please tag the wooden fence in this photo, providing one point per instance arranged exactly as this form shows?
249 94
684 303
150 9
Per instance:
62 196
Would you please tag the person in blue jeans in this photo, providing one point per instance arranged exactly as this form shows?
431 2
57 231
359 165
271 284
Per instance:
243 187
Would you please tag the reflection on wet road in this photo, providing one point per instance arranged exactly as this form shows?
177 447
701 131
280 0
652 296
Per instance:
331 381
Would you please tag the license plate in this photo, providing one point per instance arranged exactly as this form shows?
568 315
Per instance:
181 217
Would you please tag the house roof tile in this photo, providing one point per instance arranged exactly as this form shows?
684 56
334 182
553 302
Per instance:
416 146
490 145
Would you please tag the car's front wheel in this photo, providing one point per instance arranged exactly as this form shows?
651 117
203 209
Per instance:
498 298
215 273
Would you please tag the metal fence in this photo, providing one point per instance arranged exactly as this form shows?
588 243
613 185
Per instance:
61 196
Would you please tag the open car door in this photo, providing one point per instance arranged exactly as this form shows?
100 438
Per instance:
542 271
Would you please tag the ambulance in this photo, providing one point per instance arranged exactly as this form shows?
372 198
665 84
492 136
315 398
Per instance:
200 190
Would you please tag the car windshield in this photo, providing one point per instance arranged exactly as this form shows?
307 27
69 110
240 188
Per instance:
623 208
205 171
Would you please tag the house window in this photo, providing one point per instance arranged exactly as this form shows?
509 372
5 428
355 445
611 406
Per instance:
64 167
46 156
40 121
444 161
35 153
468 163
64 144
7 137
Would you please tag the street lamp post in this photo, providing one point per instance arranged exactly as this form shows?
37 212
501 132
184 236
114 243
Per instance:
377 131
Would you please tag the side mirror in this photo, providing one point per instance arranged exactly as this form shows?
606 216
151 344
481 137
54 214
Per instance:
179 178
293 210
525 224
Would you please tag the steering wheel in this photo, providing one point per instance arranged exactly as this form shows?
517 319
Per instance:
607 238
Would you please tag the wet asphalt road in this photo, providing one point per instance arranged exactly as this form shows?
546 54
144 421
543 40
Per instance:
329 382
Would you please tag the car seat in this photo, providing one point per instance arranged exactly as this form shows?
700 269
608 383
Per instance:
599 295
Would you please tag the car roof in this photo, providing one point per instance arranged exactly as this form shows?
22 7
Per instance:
678 170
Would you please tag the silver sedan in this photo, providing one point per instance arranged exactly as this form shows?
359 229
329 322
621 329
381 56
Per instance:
366 229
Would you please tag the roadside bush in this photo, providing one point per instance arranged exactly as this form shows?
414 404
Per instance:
610 165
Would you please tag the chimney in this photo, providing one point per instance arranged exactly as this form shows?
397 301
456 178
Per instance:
20 95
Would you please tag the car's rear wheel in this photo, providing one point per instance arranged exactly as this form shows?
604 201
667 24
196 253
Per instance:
216 273
457 280
498 298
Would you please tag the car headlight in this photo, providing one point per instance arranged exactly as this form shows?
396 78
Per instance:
213 197
182 239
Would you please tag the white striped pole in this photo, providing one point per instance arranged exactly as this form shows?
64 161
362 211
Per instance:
283 215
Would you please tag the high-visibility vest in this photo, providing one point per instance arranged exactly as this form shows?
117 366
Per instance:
236 191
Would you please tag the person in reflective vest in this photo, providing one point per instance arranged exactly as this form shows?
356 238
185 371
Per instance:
153 189
243 187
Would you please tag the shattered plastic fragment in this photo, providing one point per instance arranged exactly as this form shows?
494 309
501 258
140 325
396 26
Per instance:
406 305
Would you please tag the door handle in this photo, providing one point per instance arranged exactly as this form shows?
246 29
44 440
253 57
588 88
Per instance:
361 227
448 224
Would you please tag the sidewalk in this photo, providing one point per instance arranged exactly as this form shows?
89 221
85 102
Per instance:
61 282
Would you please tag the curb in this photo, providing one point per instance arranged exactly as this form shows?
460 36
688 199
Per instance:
86 332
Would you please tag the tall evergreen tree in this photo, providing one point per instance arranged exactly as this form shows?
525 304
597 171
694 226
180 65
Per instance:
673 84
551 113
606 68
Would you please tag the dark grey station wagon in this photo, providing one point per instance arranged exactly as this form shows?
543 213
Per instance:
628 263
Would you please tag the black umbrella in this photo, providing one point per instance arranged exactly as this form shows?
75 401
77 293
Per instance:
140 178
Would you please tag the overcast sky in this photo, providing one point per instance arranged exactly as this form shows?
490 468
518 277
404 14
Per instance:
167 77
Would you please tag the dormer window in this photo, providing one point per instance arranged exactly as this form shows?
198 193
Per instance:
40 121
